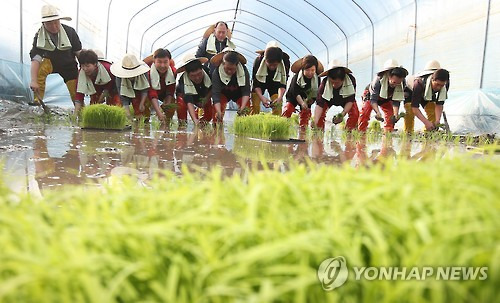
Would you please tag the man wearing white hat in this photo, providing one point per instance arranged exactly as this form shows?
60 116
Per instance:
132 83
230 81
216 38
54 50
337 89
195 88
429 89
303 88
270 72
95 80
386 91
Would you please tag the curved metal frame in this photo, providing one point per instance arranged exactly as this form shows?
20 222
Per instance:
373 35
414 39
274 38
245 41
186 34
186 22
220 11
246 24
252 36
235 21
164 18
21 49
486 30
132 18
340 28
107 28
279 10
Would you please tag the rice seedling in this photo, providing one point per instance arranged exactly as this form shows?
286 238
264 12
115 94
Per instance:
155 123
103 116
244 111
141 121
295 119
206 238
264 126
169 107
375 126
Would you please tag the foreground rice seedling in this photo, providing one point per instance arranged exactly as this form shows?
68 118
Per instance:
258 239
264 126
103 116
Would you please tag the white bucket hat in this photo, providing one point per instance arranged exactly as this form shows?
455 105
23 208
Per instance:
335 64
391 64
50 13
430 67
217 59
129 67
188 58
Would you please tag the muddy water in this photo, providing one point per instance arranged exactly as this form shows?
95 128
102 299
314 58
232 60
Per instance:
48 156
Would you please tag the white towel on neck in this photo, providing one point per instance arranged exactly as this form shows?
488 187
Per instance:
314 84
44 42
279 75
128 89
240 75
443 93
155 77
85 85
346 90
211 49
398 94
189 88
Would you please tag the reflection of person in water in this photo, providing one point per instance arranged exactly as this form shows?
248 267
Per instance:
386 149
55 162
428 150
210 151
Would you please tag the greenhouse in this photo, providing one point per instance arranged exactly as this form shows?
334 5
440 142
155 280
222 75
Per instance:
250 151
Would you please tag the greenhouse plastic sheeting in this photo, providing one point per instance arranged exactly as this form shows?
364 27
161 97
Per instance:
463 35
475 112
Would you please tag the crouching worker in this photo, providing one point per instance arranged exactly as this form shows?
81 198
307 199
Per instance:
195 88
96 80
337 89
54 51
429 89
162 76
303 89
230 81
270 72
132 82
386 91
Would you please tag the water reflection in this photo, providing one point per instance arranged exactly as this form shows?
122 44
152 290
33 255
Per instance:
56 155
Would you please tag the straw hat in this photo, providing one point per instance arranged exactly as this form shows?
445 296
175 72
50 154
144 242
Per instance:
297 66
129 67
188 58
391 64
335 64
50 13
211 29
430 67
217 59
272 44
